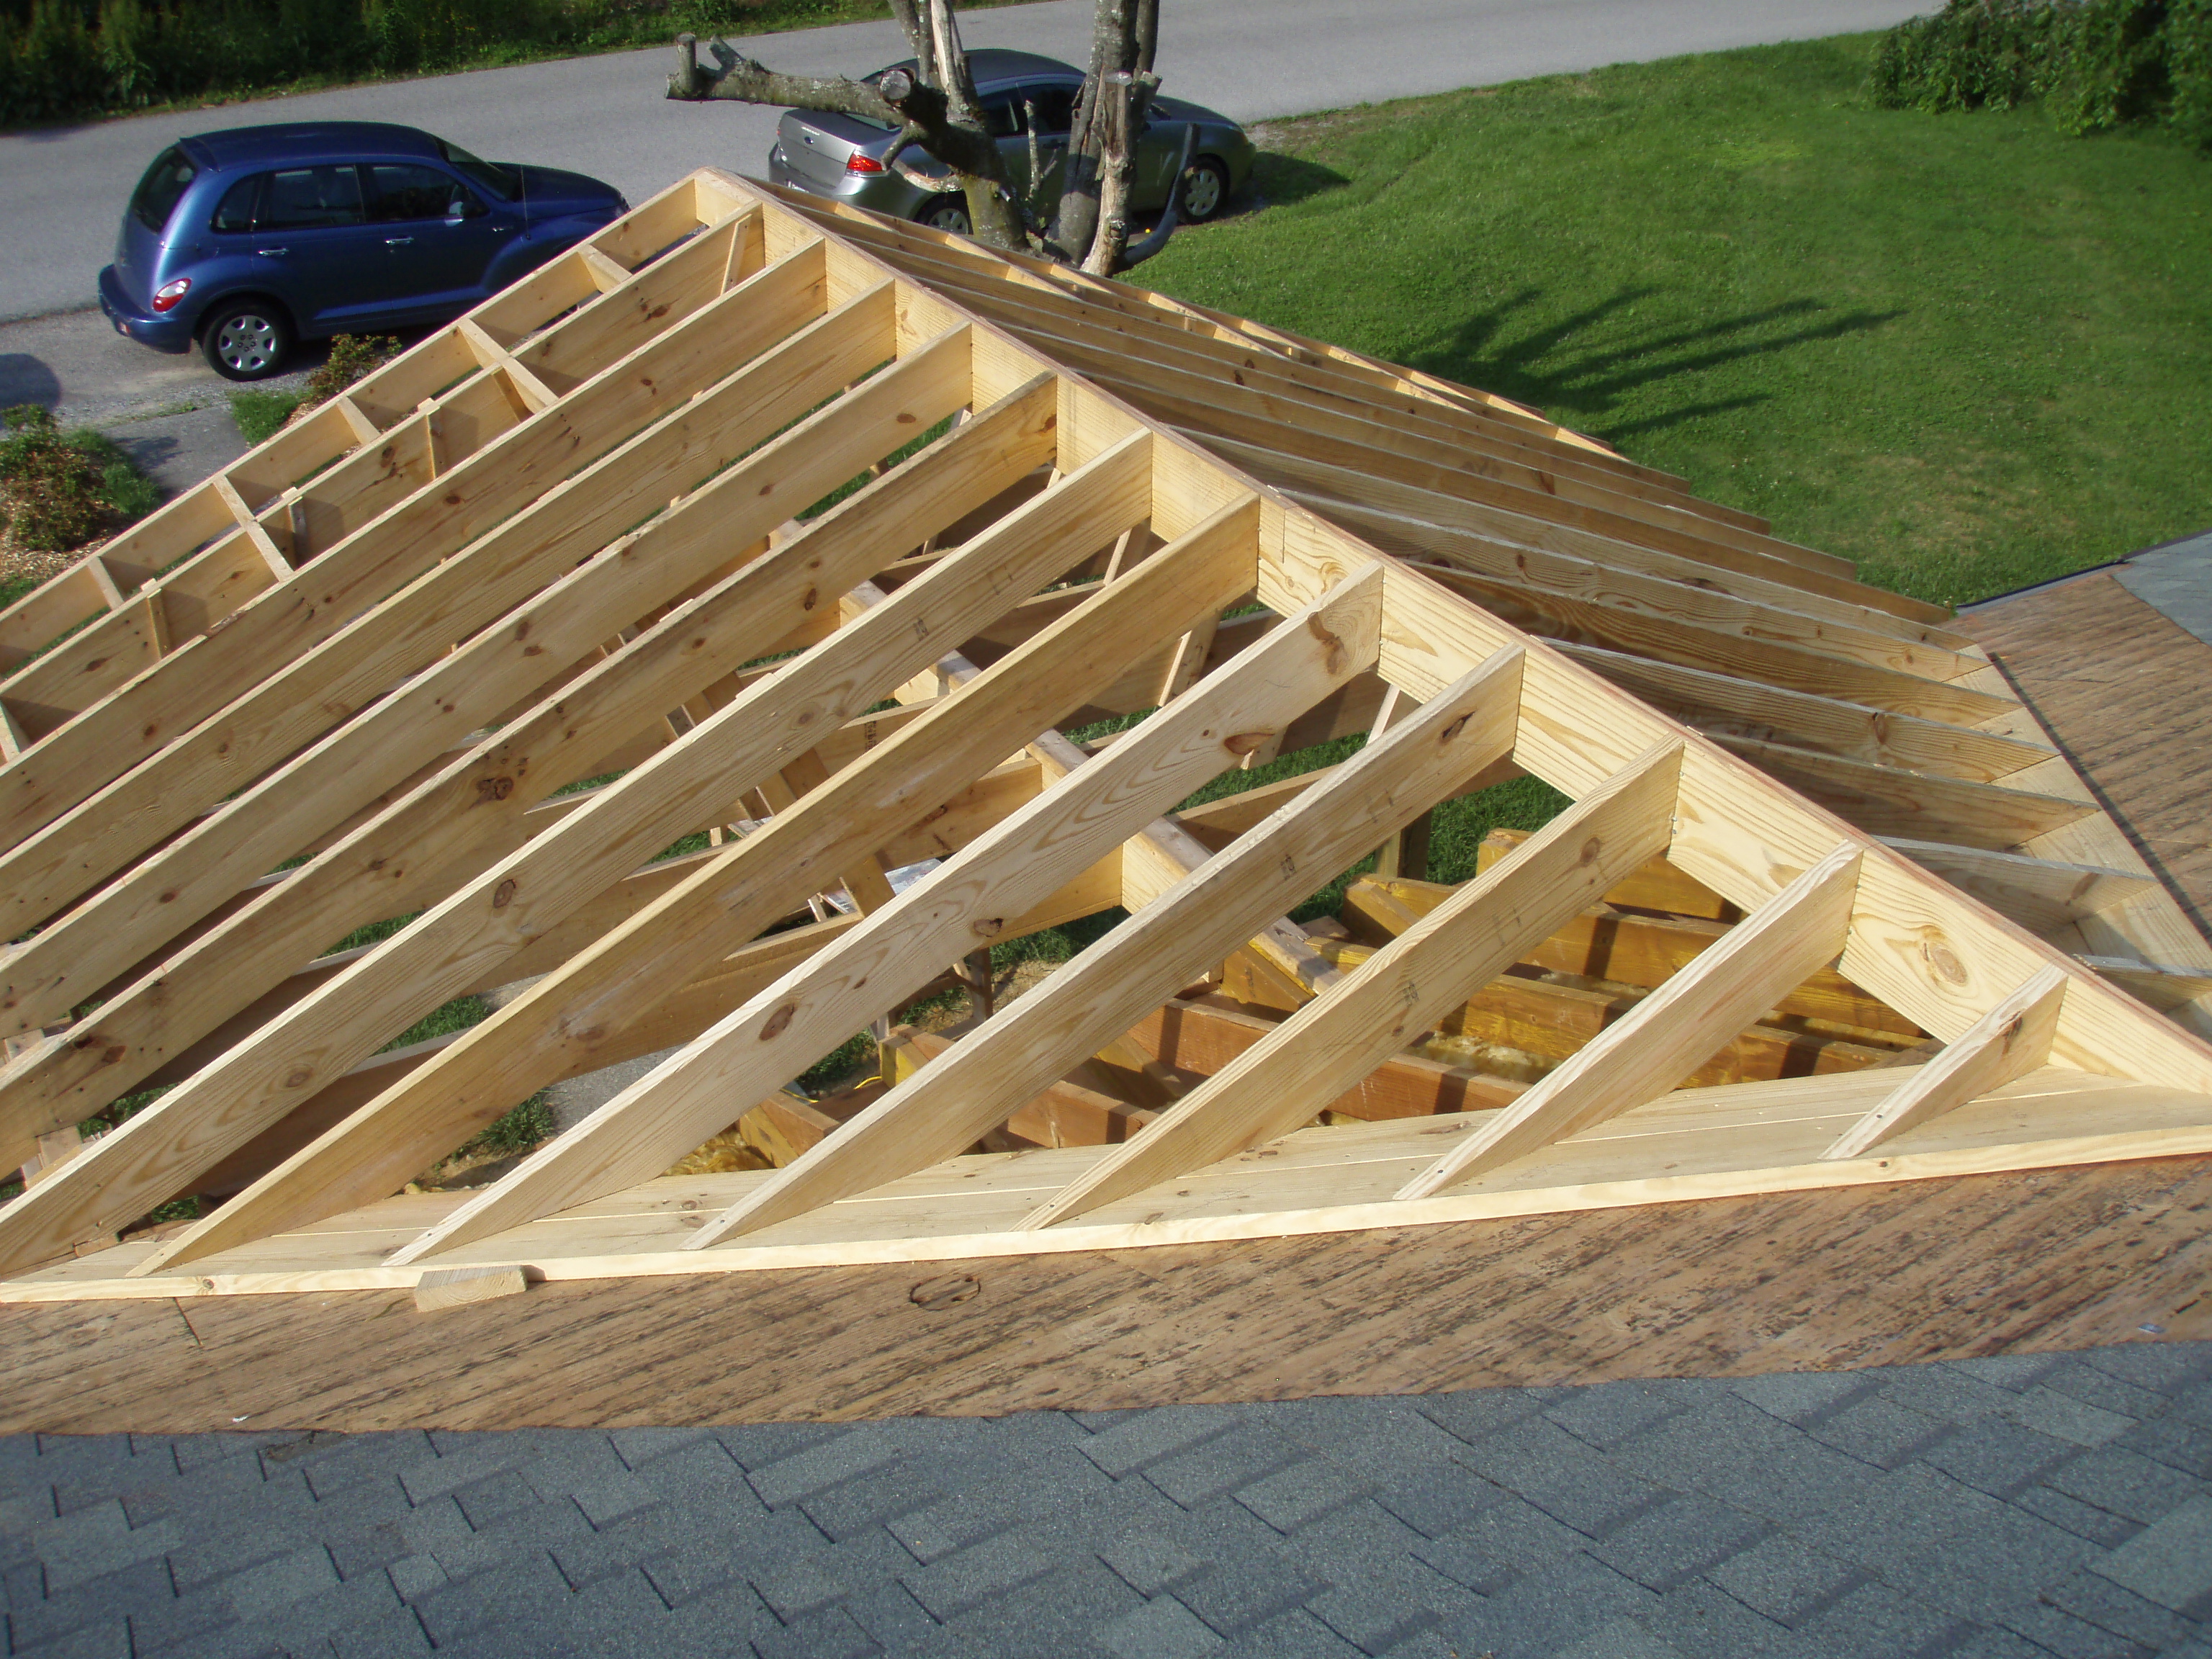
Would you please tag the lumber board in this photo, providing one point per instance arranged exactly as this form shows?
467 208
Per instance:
476 1080
1671 1030
1402 991
2010 1040
962 904
453 829
1103 991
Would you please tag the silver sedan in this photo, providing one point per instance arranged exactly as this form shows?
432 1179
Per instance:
843 157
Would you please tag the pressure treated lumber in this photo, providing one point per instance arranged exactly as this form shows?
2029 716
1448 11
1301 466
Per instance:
1355 1025
1796 930
1103 991
2042 894
2010 1040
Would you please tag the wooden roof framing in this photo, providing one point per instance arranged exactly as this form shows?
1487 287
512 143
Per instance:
566 583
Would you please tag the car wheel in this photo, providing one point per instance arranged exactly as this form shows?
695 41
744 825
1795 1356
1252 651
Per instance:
1204 192
945 213
246 341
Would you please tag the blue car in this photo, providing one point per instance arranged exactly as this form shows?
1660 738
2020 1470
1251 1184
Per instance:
248 240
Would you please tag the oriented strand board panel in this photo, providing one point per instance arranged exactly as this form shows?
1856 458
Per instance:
707 639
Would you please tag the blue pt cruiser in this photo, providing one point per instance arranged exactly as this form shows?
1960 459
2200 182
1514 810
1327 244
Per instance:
248 240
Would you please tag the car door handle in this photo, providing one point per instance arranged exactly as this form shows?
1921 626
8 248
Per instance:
398 241
272 252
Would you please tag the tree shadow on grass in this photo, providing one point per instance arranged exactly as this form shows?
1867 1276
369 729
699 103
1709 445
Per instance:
1549 366
1279 180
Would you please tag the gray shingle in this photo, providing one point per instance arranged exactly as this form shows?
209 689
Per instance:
1165 1629
2082 1520
954 1524
1304 1493
1560 1475
1784 1580
1502 1542
950 1587
1479 1412
2066 1418
2170 1563
2167 1367
2095 1387
854 1507
1678 1541
1801 1397
1624 1638
1875 1621
1149 1564
2054 1630
2091 1596
1234 1598
1608 1414
278 1583
1997 1456
2125 1482
1221 1464
828 1463
1878 1432
832 1634
2015 1371
97 1540
2178 1446
523 1594
1443 1500
396 1635
1144 1437
1296 1634
1732 1451
1544 1612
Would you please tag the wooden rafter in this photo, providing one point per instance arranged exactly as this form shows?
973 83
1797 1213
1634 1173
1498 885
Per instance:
754 498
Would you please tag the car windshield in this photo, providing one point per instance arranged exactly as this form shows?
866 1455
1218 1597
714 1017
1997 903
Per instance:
500 182
160 189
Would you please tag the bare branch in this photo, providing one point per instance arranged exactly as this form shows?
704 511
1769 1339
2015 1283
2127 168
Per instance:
741 78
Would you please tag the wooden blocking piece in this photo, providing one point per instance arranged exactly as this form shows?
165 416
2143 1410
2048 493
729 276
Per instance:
1656 885
2007 1042
1400 992
1799 929
1107 988
456 1287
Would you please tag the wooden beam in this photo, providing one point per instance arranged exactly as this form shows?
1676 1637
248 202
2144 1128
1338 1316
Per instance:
2042 894
1734 705
2010 1040
1102 992
478 494
755 879
1800 928
492 800
306 795
1397 993
965 901
1883 801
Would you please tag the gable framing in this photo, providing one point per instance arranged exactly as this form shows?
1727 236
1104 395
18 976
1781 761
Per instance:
577 538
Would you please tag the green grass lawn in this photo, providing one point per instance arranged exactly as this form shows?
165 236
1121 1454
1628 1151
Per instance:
1966 351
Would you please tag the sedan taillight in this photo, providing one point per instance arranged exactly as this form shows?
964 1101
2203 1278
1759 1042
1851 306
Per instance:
167 295
857 162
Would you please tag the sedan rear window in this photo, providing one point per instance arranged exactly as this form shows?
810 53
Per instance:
160 190
311 198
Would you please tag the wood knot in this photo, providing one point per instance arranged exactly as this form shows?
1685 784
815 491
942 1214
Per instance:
777 1020
1243 743
908 420
1451 731
989 925
1330 643
935 1295
494 788
299 1077
1941 958
503 895
813 597
1591 848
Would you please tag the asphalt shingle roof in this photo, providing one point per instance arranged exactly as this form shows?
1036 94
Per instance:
2000 1508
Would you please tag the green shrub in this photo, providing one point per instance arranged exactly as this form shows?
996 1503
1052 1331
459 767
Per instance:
60 489
2093 63
351 357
